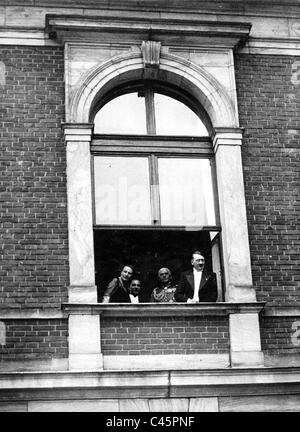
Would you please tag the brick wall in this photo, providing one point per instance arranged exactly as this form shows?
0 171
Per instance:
34 254
280 335
164 335
34 339
269 104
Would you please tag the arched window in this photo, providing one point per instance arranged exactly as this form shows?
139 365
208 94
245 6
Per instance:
148 112
155 198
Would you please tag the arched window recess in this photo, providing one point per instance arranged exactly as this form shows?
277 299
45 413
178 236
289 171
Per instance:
156 137
154 188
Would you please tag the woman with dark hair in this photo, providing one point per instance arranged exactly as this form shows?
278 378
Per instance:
117 290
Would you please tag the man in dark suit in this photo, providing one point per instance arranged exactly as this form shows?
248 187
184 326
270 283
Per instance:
197 285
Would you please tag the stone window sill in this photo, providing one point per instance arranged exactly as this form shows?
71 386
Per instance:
161 309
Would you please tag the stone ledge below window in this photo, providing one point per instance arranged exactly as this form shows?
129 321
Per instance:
161 309
291 310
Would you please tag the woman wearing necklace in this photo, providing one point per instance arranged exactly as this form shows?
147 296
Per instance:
164 293
117 290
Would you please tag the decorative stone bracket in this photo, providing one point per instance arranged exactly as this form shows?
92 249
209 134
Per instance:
151 54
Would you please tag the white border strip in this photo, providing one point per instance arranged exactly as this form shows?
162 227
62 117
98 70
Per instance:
253 46
272 47
25 37
31 314
165 362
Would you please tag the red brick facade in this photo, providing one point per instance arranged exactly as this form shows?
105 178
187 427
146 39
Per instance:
269 104
34 261
280 335
35 339
135 336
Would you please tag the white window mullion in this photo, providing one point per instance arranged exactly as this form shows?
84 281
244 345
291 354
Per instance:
150 111
154 190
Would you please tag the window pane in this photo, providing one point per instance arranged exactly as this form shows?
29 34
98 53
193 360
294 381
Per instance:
186 192
123 115
175 118
122 190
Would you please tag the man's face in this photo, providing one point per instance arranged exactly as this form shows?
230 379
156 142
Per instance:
135 287
126 273
198 262
164 275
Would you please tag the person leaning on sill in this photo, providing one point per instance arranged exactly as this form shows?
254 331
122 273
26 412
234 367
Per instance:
120 290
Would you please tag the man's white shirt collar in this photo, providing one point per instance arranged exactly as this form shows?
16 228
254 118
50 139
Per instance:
134 299
197 280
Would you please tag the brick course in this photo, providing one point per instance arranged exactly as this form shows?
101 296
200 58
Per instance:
34 252
164 335
269 106
35 339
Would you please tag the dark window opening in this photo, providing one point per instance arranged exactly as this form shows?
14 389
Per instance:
149 250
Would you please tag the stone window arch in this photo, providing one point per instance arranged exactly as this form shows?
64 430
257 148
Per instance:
222 120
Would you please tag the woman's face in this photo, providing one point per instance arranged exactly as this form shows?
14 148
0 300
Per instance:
126 273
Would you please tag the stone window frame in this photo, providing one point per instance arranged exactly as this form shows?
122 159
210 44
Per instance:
148 60
226 143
